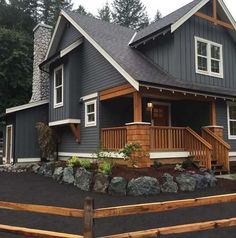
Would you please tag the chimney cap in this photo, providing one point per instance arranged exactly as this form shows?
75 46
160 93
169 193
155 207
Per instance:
42 25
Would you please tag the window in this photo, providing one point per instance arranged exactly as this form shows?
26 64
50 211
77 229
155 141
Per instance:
90 113
232 120
209 58
58 87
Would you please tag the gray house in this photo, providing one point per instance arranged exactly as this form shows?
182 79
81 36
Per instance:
171 87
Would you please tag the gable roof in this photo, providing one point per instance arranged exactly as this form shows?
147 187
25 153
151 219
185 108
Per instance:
112 42
175 19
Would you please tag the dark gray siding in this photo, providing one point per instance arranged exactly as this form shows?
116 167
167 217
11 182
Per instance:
26 144
221 117
70 35
176 53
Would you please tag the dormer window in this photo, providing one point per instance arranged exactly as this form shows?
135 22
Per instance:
58 86
209 58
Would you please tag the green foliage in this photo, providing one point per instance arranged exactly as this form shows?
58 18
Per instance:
85 163
157 16
105 13
46 139
129 149
130 13
178 167
157 164
187 164
105 167
73 162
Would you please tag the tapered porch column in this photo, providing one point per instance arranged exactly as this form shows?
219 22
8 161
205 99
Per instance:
137 101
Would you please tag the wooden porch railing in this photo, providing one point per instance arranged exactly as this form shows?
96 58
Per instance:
113 138
167 138
220 148
198 147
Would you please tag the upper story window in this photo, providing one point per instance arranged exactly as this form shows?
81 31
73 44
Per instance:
90 113
209 58
231 120
58 86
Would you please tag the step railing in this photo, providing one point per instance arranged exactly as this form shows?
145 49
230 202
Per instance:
166 138
114 138
220 148
199 148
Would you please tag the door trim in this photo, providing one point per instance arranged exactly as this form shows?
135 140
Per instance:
11 141
169 108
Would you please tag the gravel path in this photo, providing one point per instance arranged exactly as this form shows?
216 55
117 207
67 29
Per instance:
36 189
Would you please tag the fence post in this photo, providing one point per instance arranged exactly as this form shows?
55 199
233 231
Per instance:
88 218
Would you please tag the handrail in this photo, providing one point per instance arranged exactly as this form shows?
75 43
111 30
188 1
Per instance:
113 128
167 127
217 138
199 138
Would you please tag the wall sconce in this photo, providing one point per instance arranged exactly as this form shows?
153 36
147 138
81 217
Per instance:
150 105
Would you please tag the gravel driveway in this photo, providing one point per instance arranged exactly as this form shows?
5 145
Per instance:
35 189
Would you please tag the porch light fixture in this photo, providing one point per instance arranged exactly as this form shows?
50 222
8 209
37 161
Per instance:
150 105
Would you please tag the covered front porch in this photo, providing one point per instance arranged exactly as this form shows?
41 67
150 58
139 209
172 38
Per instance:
168 125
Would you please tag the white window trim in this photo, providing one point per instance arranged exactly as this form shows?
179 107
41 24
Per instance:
208 72
6 147
94 123
56 105
230 137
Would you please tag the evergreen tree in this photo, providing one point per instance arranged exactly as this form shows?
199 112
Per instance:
130 13
157 16
105 13
82 11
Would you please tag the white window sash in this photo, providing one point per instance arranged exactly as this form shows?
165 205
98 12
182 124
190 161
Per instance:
231 137
58 87
87 122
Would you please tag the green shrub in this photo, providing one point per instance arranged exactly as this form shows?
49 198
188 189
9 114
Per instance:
84 163
73 162
178 167
187 164
105 167
157 164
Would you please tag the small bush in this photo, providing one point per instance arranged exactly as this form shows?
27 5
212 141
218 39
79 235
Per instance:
157 164
178 167
73 162
85 163
105 167
187 164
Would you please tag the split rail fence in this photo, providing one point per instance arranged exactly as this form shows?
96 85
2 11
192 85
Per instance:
89 214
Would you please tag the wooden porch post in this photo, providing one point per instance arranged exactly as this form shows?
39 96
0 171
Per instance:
137 108
213 114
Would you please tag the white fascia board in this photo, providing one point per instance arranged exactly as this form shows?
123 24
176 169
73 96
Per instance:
26 106
90 96
169 155
127 76
227 12
132 39
28 160
71 47
183 19
53 36
63 122
43 25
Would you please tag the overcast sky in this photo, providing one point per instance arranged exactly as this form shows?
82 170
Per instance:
164 6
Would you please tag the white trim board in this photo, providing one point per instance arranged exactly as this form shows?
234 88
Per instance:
26 106
115 155
126 75
11 145
63 122
28 160
55 103
169 154
89 96
71 47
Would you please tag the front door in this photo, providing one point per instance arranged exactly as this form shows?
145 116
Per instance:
161 115
9 139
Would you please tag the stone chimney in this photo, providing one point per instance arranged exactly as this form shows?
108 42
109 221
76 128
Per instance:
40 87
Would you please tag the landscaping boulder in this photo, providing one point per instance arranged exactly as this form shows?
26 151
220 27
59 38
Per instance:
83 179
143 186
211 179
35 168
201 181
58 173
101 183
186 182
46 169
117 186
68 175
169 186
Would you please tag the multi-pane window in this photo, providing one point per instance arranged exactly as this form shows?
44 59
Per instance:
232 120
58 86
90 113
209 58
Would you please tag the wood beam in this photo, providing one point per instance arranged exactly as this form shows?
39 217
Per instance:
116 92
137 106
213 114
214 11
215 21
76 131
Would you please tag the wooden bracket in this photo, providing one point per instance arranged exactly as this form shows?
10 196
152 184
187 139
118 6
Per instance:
75 128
